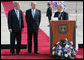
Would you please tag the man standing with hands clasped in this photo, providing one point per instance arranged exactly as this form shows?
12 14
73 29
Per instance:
49 12
33 18
15 26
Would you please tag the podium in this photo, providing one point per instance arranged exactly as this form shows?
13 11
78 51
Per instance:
59 30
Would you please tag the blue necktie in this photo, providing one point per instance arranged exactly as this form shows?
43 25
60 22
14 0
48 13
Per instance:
17 14
33 13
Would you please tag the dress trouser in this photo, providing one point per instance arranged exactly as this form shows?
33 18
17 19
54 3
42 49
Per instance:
14 35
30 33
49 18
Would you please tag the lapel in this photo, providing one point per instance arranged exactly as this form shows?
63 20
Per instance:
20 13
31 13
63 14
14 13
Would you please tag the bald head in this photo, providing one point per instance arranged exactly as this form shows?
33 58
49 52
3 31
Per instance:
16 5
33 2
33 5
60 7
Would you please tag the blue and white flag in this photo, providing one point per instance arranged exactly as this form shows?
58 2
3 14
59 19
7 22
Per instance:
56 3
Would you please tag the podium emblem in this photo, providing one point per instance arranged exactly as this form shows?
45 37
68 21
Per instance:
63 28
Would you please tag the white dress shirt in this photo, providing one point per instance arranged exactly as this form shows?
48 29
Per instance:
33 12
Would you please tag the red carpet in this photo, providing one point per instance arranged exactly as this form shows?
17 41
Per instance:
43 41
5 54
80 53
27 57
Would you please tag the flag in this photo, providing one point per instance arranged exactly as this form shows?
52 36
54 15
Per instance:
53 6
56 3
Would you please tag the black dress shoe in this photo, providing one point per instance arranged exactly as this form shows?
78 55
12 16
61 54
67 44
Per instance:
28 52
36 52
18 53
12 53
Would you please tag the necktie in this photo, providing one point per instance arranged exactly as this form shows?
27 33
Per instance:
17 12
33 13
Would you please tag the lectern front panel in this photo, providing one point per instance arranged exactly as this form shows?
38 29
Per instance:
62 30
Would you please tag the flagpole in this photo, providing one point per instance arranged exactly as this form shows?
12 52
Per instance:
76 14
76 45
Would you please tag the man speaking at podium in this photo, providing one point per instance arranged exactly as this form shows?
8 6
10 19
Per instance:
33 18
61 14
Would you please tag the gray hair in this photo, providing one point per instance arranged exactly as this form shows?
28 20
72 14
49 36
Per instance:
15 4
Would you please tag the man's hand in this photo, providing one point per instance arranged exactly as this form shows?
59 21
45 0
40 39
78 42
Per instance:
10 30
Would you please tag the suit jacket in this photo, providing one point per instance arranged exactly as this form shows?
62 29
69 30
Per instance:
33 23
13 22
64 15
49 12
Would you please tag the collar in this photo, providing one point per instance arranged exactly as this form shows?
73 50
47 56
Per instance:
16 10
33 9
62 11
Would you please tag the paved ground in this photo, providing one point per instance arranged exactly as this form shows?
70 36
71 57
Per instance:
71 9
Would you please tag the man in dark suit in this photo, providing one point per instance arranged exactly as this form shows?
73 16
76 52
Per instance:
15 26
62 15
49 12
33 18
